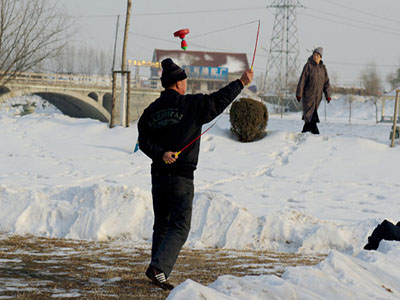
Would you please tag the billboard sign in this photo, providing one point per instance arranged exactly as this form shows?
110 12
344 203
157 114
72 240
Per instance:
200 72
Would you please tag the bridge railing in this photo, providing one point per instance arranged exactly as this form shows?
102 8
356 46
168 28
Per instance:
70 79
84 80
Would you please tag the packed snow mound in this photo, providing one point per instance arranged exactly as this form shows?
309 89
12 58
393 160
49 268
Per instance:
97 212
80 212
220 223
369 275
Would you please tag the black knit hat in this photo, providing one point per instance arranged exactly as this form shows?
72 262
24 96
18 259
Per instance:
171 73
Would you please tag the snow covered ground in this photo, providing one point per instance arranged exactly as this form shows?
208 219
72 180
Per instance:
293 192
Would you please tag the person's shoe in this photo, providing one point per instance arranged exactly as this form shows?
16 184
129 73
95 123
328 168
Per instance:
371 246
159 278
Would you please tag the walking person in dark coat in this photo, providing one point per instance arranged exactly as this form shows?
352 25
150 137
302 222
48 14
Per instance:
313 82
170 123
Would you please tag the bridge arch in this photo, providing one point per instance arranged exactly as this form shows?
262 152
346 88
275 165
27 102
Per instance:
4 90
69 103
94 96
107 102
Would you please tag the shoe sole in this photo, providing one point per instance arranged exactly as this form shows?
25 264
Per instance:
164 286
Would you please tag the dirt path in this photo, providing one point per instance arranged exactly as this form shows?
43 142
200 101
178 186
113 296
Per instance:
42 268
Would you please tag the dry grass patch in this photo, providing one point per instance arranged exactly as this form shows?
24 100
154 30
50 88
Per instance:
43 268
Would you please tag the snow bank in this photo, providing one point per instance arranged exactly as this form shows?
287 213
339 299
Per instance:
370 275
102 212
78 212
219 223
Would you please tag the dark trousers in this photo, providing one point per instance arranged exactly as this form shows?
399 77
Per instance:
312 126
172 205
384 231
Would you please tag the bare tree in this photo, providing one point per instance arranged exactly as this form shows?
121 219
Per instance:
80 60
393 78
333 78
371 81
30 32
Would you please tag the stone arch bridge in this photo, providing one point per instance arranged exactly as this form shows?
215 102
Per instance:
80 96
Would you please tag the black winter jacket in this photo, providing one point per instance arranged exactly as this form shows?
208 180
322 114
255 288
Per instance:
174 120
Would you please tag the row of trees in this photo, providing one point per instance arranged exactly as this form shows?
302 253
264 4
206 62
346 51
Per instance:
372 83
79 60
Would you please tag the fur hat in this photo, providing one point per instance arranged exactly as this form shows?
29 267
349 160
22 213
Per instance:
171 73
318 50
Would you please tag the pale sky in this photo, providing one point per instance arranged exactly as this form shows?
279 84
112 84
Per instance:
353 33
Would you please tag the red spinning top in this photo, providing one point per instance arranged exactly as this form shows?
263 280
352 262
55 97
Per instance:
181 34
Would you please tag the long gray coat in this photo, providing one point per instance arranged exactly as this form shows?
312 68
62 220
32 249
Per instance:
313 81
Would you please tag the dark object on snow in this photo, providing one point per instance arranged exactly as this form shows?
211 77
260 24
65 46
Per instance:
312 126
248 119
158 278
384 231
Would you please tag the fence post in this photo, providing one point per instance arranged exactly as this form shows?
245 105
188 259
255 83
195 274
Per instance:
128 97
396 112
113 96
350 102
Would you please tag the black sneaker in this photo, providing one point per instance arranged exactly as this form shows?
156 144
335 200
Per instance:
159 278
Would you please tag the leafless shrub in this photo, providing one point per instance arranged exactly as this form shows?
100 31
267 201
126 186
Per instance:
30 32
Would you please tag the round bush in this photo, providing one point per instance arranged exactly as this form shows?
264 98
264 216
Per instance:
248 119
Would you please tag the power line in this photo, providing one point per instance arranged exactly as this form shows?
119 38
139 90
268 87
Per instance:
96 16
352 25
199 11
362 12
351 19
223 29
358 64
187 12
151 38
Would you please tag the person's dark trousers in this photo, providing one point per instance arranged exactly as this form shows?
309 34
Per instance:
384 231
312 126
172 205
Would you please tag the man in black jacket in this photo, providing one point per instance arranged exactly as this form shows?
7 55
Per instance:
169 124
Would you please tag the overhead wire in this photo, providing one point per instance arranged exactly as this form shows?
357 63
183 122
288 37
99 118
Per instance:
175 12
97 16
352 25
199 11
362 12
351 19
223 29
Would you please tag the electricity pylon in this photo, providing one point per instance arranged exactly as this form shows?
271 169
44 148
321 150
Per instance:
282 64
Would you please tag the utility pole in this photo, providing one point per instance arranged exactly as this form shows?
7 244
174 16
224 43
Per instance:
115 43
124 97
282 62
114 78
